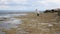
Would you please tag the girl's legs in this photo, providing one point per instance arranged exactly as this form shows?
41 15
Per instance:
37 14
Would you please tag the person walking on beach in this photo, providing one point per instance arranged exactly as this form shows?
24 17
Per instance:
37 12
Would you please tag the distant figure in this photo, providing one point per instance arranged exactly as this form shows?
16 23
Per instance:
37 12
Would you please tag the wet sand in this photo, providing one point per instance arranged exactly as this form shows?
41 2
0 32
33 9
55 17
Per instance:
46 23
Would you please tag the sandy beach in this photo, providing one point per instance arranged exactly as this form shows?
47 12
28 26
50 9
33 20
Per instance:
46 23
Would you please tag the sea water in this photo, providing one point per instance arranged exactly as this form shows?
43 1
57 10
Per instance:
12 22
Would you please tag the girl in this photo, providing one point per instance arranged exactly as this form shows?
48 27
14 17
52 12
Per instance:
37 12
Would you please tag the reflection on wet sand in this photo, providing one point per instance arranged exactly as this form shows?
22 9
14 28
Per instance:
8 22
2 32
12 23
31 24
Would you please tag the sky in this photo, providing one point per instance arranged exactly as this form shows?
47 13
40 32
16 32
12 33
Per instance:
27 5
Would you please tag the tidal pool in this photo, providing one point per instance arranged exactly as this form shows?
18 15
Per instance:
8 22
57 32
12 23
2 32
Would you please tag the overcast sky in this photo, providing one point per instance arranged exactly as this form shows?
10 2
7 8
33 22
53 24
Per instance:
29 4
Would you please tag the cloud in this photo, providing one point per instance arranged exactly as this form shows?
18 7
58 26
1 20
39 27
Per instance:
12 4
13 1
13 7
49 4
4 7
19 1
49 1
28 4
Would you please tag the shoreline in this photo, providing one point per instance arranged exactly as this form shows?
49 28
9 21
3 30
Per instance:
32 24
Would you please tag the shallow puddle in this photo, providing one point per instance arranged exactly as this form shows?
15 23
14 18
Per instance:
9 23
56 32
2 32
12 23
